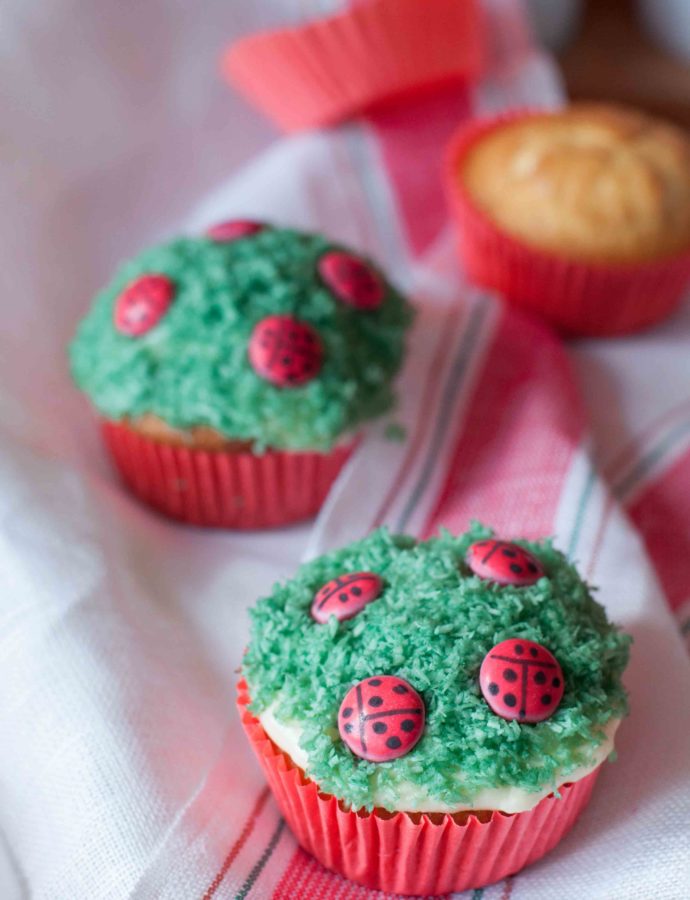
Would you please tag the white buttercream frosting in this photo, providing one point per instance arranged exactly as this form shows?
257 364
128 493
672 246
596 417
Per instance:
409 797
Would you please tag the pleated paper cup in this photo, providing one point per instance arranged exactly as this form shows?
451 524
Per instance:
411 853
333 68
223 488
575 297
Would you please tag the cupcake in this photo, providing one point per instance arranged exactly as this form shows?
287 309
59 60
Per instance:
581 216
232 372
431 716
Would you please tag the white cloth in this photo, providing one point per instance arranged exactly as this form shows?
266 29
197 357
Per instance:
123 772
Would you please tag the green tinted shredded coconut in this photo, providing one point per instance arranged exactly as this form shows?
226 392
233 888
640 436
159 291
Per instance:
395 432
192 368
432 626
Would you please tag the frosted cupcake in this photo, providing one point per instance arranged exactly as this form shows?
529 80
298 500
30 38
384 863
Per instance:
419 707
232 372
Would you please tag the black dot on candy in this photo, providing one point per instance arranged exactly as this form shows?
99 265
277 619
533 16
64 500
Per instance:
533 651
399 689
519 649
517 569
348 729
393 743
540 678
507 552
522 713
556 682
532 568
374 682
407 725
357 591
546 699
286 360
493 688
376 701
347 712
509 699
343 598
380 727
510 674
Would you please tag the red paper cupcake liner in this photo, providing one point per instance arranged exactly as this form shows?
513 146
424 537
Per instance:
224 489
411 853
332 68
575 297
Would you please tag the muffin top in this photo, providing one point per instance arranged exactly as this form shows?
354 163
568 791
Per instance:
592 182
409 637
251 332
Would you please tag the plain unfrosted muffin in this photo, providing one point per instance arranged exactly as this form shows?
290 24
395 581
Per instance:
432 696
597 183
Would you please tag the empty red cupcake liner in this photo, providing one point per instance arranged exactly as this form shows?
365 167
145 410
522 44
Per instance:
575 297
411 854
224 489
335 67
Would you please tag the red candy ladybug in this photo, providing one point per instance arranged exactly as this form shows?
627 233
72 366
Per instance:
344 596
142 304
521 680
351 280
233 230
285 351
503 562
381 718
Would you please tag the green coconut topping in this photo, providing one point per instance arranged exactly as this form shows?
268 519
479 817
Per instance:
192 369
432 625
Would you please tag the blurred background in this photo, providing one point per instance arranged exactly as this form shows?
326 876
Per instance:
629 51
